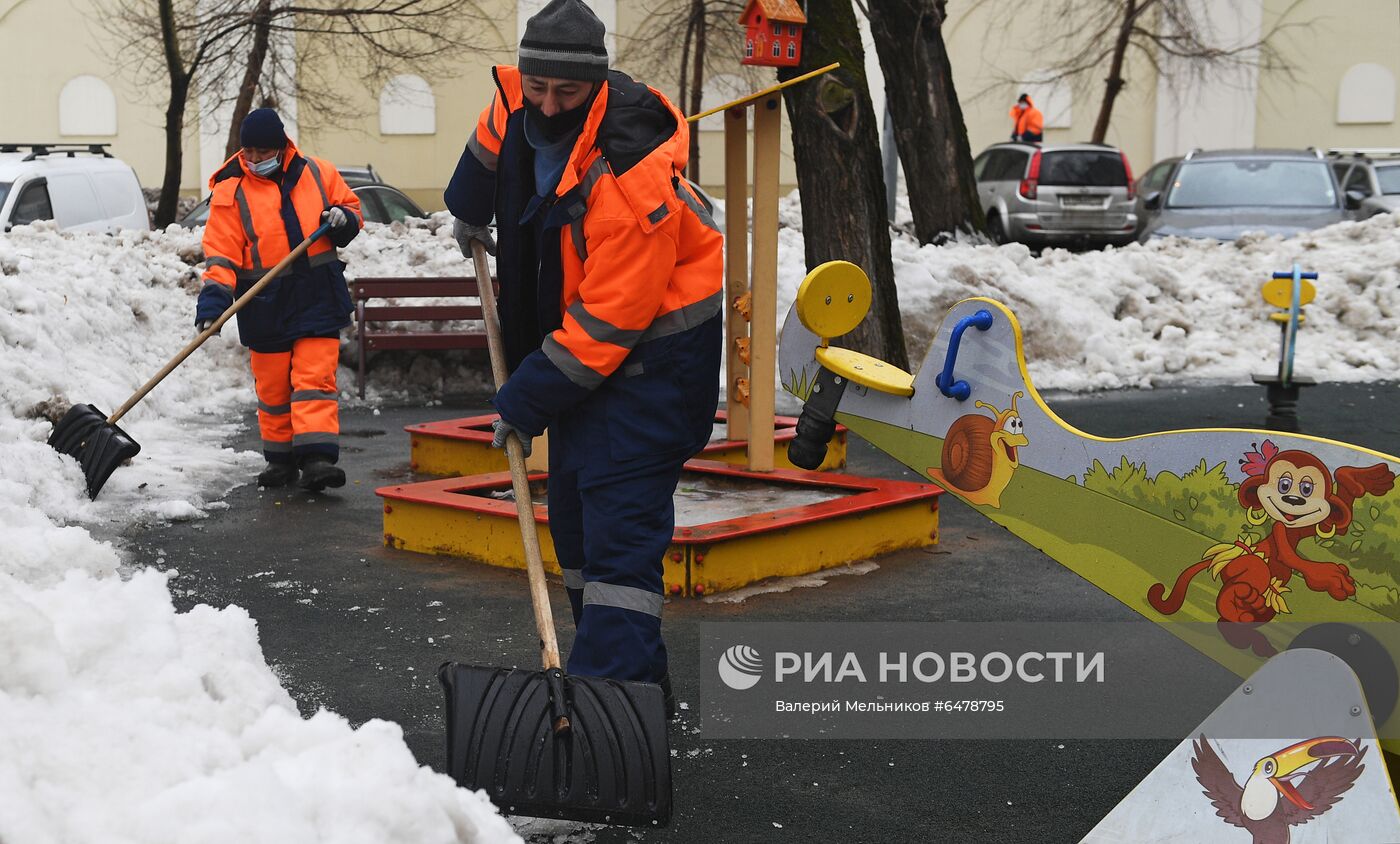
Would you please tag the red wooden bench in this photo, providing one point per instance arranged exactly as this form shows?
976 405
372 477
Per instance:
363 290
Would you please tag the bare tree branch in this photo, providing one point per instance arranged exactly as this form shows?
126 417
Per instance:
280 50
1175 37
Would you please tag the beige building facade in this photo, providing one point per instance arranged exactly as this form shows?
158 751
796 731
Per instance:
62 84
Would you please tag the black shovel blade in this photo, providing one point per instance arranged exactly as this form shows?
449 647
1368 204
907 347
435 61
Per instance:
98 445
613 766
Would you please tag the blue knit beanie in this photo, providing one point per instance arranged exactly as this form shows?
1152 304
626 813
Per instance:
262 129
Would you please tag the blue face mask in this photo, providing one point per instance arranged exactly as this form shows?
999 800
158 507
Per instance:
266 167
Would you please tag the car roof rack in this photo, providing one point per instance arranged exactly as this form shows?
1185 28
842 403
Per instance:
1365 152
71 150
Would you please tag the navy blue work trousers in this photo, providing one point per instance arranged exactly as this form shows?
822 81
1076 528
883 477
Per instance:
611 537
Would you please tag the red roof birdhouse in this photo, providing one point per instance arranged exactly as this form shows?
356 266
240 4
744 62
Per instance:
774 32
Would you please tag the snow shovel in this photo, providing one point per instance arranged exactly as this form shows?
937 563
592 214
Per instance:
96 441
541 743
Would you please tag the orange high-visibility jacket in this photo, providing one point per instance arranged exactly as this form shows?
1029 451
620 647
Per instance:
1028 119
639 255
254 222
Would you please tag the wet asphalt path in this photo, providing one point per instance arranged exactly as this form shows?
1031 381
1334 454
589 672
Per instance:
352 626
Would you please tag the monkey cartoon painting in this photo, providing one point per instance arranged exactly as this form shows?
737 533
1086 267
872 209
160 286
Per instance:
1295 491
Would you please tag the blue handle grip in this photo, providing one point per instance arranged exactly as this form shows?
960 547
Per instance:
1290 331
960 390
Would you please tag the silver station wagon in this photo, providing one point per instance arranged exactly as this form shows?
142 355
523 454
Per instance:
1056 195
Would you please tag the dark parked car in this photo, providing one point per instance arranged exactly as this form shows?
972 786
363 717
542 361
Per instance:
1154 181
1056 194
1372 176
379 202
1222 194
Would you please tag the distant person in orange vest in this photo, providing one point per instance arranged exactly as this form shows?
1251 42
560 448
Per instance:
1028 124
264 200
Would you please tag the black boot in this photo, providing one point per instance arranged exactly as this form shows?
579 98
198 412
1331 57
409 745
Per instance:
669 696
318 472
277 474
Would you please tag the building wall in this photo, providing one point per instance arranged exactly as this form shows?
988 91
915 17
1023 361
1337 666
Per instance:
1216 111
418 164
35 72
989 41
1302 110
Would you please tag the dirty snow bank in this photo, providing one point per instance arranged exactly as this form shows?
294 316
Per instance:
1170 312
121 719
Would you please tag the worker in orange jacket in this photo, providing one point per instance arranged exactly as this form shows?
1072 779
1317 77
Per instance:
265 200
1028 124
611 275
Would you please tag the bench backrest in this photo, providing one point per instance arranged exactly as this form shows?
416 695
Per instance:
413 287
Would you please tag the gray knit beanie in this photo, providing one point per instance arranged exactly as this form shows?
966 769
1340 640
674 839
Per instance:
564 40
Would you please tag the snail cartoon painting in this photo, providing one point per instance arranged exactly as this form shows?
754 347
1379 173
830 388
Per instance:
1292 495
980 453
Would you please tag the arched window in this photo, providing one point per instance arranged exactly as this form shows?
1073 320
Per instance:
407 107
1366 95
1054 99
87 106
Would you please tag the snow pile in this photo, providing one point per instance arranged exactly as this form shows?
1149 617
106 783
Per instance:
1172 311
121 719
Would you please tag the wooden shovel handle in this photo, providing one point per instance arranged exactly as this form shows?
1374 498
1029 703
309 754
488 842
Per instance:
515 453
218 323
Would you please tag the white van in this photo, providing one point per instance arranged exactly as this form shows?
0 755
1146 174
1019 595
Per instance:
79 186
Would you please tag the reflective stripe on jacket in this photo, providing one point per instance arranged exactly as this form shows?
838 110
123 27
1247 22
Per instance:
254 222
636 255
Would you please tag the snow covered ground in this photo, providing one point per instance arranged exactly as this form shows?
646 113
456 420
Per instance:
123 720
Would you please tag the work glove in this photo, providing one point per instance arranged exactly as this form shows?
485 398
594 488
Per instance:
500 429
214 299
202 325
466 233
344 225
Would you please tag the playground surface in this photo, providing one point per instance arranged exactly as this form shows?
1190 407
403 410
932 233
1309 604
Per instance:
360 629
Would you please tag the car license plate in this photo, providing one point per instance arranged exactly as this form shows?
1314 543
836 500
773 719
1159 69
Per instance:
1077 202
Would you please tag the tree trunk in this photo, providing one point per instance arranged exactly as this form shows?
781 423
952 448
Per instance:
174 152
697 86
257 56
930 133
1115 82
837 152
682 98
174 117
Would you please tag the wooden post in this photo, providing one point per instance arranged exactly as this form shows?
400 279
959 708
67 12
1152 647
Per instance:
763 348
752 421
736 264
